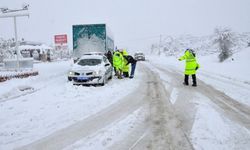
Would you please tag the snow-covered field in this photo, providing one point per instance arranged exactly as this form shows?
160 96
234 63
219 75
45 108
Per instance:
35 107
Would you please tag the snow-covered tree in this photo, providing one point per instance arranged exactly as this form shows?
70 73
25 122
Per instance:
168 46
225 39
6 48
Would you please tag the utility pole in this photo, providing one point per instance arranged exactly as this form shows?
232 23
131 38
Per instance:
159 52
14 13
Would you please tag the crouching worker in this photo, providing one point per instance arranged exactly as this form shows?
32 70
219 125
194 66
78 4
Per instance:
132 61
118 63
191 66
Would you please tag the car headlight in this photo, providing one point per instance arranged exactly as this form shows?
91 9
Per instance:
71 73
97 73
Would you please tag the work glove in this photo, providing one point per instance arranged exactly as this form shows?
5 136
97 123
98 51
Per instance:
197 68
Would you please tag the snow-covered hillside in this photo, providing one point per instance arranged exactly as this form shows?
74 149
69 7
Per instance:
202 45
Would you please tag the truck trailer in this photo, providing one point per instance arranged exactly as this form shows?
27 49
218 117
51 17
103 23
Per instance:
89 38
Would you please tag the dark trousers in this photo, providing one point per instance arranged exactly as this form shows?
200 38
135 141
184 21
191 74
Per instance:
132 69
125 74
193 77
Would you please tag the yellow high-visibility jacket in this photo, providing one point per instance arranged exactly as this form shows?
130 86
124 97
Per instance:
191 63
118 60
125 66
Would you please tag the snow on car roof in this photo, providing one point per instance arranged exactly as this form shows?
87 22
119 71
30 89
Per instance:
92 57
93 53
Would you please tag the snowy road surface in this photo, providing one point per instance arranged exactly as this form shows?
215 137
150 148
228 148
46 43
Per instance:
152 111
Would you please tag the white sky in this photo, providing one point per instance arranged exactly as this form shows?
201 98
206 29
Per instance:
127 19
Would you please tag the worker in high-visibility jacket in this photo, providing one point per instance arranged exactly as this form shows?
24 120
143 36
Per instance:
191 66
131 61
125 69
118 63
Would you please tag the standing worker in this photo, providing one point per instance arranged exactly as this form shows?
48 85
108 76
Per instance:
110 57
125 68
118 63
132 61
191 66
48 55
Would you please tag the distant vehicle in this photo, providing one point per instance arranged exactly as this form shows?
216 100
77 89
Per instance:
91 38
91 70
139 56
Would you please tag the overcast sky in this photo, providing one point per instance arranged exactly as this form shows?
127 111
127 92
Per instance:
132 22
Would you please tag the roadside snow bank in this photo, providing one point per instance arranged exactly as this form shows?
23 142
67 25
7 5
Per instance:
234 68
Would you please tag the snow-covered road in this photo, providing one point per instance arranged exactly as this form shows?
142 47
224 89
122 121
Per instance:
152 111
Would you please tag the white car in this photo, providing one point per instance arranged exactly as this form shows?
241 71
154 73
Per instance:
139 56
91 70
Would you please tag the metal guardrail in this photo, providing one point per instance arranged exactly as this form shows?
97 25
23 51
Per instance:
18 75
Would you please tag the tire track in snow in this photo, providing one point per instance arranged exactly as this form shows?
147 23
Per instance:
166 128
184 106
230 107
163 129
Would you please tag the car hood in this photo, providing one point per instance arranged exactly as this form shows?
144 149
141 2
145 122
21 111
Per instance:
78 68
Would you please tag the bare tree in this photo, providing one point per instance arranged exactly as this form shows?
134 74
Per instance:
225 40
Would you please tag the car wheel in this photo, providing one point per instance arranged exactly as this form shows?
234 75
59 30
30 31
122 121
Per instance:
104 81
111 76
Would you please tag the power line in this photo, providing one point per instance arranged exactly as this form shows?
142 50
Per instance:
144 38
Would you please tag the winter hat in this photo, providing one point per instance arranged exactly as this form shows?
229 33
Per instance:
191 51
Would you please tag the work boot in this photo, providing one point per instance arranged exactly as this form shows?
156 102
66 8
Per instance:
184 83
194 85
119 76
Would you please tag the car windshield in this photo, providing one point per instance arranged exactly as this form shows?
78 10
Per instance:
89 62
